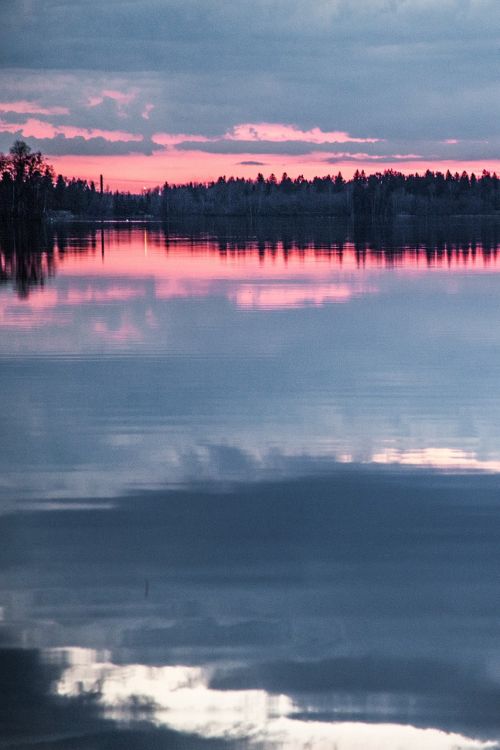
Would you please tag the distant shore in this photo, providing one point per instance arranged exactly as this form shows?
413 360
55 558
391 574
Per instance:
30 190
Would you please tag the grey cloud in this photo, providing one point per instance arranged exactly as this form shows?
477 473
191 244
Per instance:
396 69
60 145
16 118
74 91
251 163
289 148
387 150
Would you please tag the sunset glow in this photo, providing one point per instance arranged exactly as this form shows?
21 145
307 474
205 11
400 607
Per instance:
180 167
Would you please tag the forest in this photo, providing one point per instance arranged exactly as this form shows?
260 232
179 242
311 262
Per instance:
30 190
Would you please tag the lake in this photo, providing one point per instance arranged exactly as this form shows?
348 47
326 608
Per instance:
250 486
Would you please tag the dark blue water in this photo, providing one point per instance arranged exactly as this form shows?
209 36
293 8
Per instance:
249 488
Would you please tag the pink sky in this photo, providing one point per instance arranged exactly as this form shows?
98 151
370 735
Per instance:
137 171
177 157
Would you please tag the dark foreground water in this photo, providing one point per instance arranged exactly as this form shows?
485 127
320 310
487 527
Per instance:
249 488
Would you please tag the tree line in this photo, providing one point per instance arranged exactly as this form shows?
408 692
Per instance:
29 189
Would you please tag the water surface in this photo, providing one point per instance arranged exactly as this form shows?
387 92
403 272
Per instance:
249 486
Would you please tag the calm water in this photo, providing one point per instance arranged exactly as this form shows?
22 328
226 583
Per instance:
249 488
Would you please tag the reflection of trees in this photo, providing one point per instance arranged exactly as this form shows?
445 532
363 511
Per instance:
457 241
26 257
30 254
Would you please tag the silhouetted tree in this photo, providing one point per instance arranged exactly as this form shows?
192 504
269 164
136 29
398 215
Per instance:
26 182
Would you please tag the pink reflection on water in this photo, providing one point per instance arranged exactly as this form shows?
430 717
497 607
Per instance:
110 294
126 331
279 296
142 265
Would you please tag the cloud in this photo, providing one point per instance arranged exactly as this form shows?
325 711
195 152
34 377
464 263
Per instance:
32 108
279 138
174 139
62 146
279 133
396 70
291 148
121 97
33 128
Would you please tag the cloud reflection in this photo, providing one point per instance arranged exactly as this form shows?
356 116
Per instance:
320 609
180 698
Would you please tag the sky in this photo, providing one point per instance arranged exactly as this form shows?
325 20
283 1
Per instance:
178 90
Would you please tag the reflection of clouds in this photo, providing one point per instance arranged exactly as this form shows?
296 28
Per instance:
97 296
26 314
267 296
125 331
180 698
282 277
451 459
180 695
365 595
190 383
298 735
135 460
111 293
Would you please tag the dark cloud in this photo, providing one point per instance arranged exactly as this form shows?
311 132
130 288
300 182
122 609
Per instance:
251 163
288 148
61 146
394 70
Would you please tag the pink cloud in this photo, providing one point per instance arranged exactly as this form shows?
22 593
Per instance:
119 96
362 156
127 331
39 129
264 131
121 99
279 296
110 294
147 111
279 132
23 107
172 139
94 101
